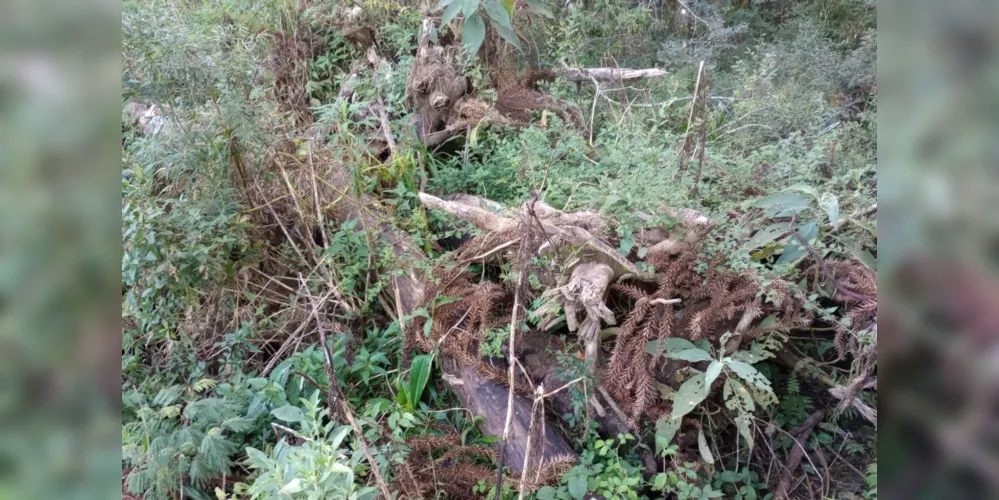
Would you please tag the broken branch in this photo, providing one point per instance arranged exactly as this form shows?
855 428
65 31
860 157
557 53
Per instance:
609 74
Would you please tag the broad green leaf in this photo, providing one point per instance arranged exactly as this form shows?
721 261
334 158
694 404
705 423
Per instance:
867 258
714 369
540 7
497 13
510 37
293 486
759 386
419 373
702 446
666 428
675 344
468 8
804 188
452 10
545 493
689 395
577 487
776 205
336 437
692 355
473 32
793 250
258 459
288 413
750 356
738 399
442 4
830 203
767 235
341 469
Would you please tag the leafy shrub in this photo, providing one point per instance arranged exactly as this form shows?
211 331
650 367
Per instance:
315 468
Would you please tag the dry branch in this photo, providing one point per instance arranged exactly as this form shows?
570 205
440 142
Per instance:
695 105
555 225
609 74
799 435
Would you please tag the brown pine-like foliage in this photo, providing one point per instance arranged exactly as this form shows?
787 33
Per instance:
711 304
462 311
858 281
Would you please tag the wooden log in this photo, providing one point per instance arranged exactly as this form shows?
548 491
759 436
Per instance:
609 74
487 398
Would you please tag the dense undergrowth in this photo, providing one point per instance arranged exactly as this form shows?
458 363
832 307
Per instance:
249 110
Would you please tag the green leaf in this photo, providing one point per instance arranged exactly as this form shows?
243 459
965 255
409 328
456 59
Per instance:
793 250
739 400
867 258
509 6
702 446
442 4
767 235
540 7
625 246
473 32
545 493
759 386
419 373
336 437
498 14
692 355
714 369
736 397
510 37
293 486
666 428
675 344
830 203
689 395
468 8
258 460
743 422
452 10
782 204
288 413
577 487
804 188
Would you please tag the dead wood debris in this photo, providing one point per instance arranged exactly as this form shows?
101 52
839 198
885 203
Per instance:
608 74
588 268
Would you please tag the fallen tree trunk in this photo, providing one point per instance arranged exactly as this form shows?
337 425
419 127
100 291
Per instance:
482 396
609 74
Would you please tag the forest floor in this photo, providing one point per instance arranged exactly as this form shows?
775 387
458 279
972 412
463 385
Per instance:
370 253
